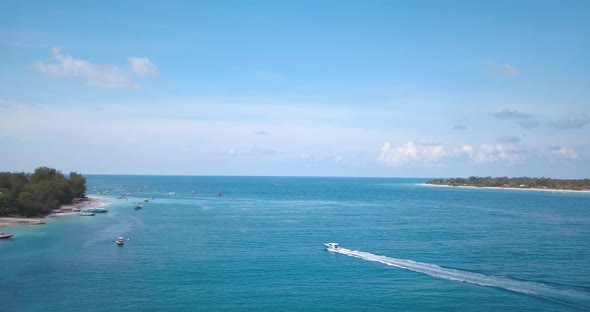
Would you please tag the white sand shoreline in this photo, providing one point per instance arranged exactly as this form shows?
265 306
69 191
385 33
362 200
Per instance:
64 210
511 188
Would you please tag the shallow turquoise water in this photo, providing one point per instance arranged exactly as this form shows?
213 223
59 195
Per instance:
259 247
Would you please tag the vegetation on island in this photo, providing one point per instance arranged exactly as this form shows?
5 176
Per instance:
37 194
522 182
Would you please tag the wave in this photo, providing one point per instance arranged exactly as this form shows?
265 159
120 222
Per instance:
542 290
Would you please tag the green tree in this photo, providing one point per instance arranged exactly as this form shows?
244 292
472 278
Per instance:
7 203
77 185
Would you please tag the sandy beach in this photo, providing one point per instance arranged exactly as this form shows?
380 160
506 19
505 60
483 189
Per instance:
63 210
511 188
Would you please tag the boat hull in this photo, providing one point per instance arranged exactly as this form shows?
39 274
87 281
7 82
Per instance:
96 210
7 236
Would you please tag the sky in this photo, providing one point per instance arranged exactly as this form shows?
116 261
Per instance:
432 89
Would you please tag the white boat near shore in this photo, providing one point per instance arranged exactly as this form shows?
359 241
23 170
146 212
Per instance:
96 210
5 235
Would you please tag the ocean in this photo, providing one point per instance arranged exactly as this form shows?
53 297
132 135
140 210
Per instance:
259 247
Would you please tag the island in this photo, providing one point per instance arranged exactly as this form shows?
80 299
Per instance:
40 193
517 183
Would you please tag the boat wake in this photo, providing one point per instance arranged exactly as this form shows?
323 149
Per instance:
545 291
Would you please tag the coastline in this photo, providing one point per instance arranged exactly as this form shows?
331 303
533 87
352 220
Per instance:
62 211
510 188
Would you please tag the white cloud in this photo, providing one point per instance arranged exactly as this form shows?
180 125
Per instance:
511 114
467 149
505 69
569 153
508 139
529 124
566 79
572 121
491 153
143 67
96 75
304 156
108 76
411 153
510 70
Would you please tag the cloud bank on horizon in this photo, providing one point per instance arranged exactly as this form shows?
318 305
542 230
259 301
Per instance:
406 90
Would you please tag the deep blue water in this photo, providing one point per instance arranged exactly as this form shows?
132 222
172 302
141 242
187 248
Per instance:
259 248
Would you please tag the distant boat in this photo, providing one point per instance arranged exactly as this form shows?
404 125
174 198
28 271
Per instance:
36 222
332 246
193 192
120 241
76 210
137 206
145 200
87 214
5 236
121 196
172 193
96 210
217 194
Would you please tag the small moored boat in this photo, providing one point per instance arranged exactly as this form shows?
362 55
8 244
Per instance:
332 246
36 222
87 214
96 210
5 236
120 241
137 206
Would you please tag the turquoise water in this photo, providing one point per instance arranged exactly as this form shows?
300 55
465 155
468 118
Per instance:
406 246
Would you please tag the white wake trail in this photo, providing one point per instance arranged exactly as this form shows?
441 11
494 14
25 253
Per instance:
524 287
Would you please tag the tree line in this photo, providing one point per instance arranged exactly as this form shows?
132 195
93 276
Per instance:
37 194
521 182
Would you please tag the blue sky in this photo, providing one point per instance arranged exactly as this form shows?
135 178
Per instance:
320 88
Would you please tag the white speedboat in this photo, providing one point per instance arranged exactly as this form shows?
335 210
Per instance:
332 246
